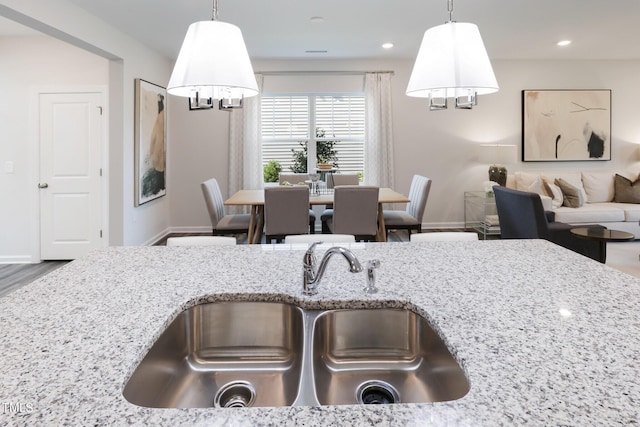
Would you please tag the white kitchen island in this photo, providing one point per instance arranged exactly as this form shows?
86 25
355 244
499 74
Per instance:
544 335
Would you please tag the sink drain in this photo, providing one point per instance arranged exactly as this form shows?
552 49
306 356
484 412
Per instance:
236 394
376 392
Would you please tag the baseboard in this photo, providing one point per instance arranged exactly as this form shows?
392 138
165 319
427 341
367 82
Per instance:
201 229
157 237
177 230
18 259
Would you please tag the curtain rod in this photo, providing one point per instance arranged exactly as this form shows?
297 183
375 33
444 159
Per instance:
320 73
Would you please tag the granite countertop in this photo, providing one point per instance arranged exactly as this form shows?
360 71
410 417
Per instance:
72 338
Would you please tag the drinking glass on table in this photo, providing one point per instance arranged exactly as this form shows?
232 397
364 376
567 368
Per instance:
314 177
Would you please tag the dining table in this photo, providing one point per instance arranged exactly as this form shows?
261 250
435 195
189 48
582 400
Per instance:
255 199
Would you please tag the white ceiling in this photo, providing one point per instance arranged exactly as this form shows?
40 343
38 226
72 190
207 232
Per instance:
511 29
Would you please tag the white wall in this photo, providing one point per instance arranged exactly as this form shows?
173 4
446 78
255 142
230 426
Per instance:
128 59
199 150
439 144
29 63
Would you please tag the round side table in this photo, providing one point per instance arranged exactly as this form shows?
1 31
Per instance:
602 235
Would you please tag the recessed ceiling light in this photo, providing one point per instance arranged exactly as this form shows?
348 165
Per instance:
564 43
316 19
387 45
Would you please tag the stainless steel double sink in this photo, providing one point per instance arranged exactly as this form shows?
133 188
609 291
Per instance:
242 354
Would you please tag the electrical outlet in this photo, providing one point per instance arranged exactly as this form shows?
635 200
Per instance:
8 166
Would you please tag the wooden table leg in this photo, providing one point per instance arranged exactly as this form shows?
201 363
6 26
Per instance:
252 224
382 231
257 235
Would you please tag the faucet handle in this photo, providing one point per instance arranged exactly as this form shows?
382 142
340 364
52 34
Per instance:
313 247
371 277
309 256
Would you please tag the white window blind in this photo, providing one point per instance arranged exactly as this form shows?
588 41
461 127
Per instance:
342 119
287 120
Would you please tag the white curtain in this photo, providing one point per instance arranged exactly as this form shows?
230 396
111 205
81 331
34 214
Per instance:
245 153
378 135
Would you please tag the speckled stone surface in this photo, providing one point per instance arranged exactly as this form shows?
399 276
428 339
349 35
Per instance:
71 339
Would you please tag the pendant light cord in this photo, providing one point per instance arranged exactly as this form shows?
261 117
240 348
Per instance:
214 16
449 8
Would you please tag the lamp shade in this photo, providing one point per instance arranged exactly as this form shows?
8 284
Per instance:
499 154
214 62
452 61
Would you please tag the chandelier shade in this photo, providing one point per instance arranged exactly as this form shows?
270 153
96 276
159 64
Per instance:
214 63
452 63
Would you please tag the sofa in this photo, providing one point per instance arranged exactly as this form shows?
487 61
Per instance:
611 199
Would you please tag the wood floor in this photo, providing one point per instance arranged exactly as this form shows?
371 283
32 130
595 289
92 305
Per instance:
14 276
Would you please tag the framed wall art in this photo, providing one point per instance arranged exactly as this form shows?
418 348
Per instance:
566 125
149 141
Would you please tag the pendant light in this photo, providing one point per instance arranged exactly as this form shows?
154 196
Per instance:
452 63
213 63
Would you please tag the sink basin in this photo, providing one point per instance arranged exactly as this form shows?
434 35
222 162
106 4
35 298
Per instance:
241 354
227 354
378 356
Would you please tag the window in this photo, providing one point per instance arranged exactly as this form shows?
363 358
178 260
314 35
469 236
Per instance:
289 120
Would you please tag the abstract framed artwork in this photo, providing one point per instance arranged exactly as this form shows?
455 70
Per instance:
566 125
149 142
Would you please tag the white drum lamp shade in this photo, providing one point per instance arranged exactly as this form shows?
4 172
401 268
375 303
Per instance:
213 62
497 154
452 62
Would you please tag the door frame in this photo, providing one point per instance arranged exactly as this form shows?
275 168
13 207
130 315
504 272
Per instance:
34 159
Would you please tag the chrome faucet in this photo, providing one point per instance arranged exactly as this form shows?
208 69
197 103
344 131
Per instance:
311 276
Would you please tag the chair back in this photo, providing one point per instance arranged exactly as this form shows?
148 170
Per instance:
324 238
213 199
335 179
355 210
520 214
286 210
293 178
201 241
418 194
444 236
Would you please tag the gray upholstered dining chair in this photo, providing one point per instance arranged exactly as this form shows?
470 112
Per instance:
411 218
355 211
335 179
295 179
220 221
286 211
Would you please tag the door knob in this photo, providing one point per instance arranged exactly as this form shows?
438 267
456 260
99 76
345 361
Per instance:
45 185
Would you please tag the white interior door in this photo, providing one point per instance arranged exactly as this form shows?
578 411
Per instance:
70 174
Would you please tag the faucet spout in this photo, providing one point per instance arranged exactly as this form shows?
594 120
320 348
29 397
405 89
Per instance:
312 277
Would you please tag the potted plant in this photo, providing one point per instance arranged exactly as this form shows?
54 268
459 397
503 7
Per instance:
326 154
271 171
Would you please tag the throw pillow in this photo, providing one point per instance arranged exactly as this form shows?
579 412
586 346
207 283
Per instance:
599 186
556 194
575 179
524 180
537 187
570 193
626 191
